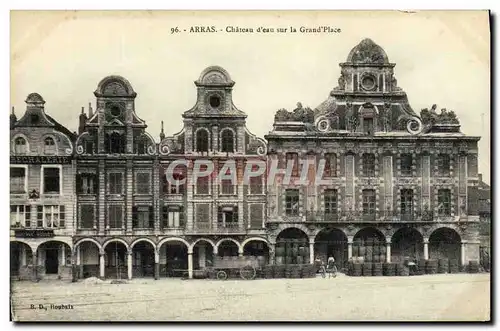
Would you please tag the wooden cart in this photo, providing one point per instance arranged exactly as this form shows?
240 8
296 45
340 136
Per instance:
245 266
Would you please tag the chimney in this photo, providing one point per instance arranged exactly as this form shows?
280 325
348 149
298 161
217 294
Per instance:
83 121
13 118
91 111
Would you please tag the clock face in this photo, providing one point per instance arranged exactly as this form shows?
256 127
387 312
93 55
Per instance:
115 111
368 82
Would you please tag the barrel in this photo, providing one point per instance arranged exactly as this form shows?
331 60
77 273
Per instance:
389 269
377 269
357 269
376 249
367 269
376 259
300 259
443 266
431 267
473 267
454 266
362 251
383 249
421 267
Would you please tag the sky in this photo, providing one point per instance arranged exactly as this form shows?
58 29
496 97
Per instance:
441 58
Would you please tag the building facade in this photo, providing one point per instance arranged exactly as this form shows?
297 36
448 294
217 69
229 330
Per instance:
360 175
393 179
41 194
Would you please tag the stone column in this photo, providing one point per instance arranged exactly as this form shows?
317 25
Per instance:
240 251
79 261
157 265
388 251
129 264
190 265
311 251
101 265
272 254
349 248
74 269
63 255
426 248
35 266
462 252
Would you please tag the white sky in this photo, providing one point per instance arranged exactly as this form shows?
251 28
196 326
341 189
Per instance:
441 57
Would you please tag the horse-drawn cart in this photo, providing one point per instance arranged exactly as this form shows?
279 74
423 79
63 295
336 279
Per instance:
244 266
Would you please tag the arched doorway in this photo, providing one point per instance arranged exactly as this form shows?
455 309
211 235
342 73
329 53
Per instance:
369 243
227 248
332 242
88 254
292 247
203 254
54 260
444 243
21 260
257 248
115 260
143 259
173 257
407 242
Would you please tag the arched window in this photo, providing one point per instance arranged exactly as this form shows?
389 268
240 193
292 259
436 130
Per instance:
141 145
202 141
49 145
20 146
227 141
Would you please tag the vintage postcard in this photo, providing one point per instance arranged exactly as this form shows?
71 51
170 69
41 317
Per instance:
250 166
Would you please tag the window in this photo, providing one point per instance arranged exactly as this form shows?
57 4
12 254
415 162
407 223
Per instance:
214 101
292 202
256 185
227 217
173 217
115 217
20 146
177 186
20 216
330 201
256 216
227 186
142 217
115 143
17 180
87 216
86 183
51 181
443 163
330 165
227 141
368 125
406 202
202 140
115 183
203 215
49 146
368 165
444 202
141 146
202 185
368 202
50 216
406 164
142 182
89 147
294 159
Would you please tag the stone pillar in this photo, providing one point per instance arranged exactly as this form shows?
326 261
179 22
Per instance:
79 261
311 251
349 248
426 248
63 255
74 268
388 251
272 254
157 265
462 252
240 251
35 266
101 265
129 264
190 265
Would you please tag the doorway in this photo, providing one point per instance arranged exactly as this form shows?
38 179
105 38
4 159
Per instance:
51 261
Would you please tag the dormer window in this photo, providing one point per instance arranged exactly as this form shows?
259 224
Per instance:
214 101
115 143
49 146
227 141
202 141
20 146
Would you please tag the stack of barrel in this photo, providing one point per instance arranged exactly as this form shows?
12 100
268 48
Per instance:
431 267
473 267
355 268
443 266
377 269
279 271
421 267
367 269
292 271
402 269
454 266
389 269
268 271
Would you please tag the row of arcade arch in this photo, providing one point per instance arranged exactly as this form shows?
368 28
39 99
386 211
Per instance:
406 242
